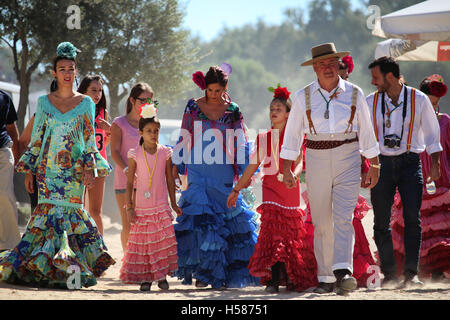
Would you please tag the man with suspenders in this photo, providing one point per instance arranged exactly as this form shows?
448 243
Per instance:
405 125
334 116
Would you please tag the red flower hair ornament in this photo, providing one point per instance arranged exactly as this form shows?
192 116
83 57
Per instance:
437 86
348 60
279 92
199 79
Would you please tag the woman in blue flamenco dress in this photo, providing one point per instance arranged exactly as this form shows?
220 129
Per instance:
215 243
61 238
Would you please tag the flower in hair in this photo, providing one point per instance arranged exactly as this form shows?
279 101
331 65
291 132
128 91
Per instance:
438 88
348 60
67 50
279 92
148 109
436 77
226 68
199 79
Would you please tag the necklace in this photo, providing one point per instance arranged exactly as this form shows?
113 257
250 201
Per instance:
275 155
333 95
147 193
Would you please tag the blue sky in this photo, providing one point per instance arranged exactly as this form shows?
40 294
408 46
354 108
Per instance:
206 18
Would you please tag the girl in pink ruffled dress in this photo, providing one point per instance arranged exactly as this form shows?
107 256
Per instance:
151 252
435 210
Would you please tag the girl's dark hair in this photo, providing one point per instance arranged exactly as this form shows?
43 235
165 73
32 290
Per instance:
287 103
143 122
342 66
425 86
136 92
54 84
84 85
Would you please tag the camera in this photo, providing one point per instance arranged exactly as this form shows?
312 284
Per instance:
392 141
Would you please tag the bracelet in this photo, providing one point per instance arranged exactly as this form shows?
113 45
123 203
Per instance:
378 166
234 190
125 170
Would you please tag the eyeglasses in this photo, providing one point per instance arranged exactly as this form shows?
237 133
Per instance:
143 100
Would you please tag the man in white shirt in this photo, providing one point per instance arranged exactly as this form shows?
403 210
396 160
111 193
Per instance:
334 115
405 125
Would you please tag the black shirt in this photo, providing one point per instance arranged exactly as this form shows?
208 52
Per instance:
8 115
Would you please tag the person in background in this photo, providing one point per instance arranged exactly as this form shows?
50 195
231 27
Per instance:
345 67
9 155
435 209
406 125
93 87
124 136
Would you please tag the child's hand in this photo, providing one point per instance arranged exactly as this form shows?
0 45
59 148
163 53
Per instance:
88 178
104 125
131 215
177 210
232 198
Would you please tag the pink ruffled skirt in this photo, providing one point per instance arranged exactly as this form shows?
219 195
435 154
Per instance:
151 252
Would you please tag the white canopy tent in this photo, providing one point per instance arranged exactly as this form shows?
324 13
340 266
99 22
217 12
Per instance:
421 32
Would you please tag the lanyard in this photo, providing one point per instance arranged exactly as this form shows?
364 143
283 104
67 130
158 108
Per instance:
327 114
154 165
405 103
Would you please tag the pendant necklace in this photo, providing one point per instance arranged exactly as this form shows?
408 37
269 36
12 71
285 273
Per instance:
147 193
327 113
275 154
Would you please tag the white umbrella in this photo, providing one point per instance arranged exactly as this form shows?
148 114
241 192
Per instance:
424 29
428 20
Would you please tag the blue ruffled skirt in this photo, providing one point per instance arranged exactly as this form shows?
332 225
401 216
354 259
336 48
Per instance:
215 243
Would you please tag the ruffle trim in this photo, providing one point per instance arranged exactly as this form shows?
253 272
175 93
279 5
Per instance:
57 240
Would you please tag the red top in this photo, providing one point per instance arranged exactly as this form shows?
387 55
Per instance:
274 191
100 134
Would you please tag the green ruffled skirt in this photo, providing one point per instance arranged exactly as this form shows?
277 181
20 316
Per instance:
61 248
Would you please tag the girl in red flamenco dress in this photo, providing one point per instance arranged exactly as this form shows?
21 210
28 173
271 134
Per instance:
435 209
282 255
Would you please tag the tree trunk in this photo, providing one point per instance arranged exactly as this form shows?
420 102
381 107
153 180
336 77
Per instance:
23 102
115 99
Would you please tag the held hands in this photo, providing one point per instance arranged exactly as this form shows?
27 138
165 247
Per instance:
289 179
232 199
177 209
131 215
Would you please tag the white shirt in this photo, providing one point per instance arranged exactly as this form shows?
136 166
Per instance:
426 132
339 114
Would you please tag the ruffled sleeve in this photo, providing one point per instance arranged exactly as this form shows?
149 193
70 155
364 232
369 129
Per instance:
29 160
91 158
181 149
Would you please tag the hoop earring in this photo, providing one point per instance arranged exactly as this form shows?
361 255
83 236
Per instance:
226 97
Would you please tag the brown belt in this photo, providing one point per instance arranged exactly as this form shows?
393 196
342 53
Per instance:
327 144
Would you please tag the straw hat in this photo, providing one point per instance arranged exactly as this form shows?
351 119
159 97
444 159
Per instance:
324 51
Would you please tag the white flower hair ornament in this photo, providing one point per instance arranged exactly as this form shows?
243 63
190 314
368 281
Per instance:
148 109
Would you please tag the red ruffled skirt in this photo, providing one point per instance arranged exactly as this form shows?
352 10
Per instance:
282 238
435 222
152 249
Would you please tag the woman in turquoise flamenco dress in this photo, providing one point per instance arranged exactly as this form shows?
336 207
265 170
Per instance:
61 238
215 243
